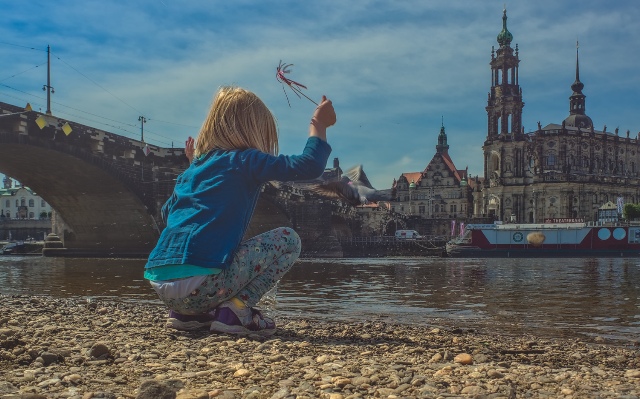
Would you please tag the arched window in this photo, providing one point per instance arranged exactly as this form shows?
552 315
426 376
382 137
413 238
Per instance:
42 203
23 201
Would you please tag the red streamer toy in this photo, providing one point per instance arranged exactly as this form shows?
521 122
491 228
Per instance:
296 87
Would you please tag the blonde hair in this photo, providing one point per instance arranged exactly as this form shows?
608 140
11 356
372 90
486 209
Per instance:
237 120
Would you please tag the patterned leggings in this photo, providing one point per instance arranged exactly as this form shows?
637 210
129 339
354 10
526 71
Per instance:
259 263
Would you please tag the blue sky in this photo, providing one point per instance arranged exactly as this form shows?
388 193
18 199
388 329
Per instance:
393 69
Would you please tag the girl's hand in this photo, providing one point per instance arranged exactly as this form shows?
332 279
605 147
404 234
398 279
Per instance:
324 114
189 148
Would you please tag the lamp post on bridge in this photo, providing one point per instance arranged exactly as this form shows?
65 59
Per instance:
142 120
48 87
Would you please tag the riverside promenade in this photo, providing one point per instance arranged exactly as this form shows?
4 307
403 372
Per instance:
71 348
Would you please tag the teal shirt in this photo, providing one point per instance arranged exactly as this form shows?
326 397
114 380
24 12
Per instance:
170 272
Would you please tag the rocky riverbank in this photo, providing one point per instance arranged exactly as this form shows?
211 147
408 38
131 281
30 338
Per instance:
70 348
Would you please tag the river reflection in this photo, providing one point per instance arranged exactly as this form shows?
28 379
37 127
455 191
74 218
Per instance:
549 297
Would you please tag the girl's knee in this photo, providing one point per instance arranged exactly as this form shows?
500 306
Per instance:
294 243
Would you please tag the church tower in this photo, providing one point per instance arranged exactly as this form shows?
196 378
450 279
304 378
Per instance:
505 154
504 108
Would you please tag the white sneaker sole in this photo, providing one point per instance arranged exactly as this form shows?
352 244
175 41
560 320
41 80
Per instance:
218 327
186 325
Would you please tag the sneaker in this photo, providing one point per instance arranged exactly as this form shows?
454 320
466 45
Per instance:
186 322
231 319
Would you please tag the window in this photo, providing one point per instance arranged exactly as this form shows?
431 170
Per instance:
23 201
17 203
421 209
31 215
8 204
453 208
551 160
32 203
42 203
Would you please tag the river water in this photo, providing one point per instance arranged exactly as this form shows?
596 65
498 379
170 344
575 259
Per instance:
546 297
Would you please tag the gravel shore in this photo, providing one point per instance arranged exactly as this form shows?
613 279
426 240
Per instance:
70 348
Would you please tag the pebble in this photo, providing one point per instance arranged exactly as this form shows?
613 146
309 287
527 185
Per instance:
61 348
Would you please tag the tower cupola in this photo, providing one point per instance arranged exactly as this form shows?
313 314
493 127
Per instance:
504 37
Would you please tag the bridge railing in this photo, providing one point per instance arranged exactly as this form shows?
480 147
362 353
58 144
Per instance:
431 239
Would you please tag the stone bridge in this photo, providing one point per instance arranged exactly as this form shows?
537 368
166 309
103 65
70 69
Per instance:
107 189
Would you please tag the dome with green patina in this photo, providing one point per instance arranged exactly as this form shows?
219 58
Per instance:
412 185
504 37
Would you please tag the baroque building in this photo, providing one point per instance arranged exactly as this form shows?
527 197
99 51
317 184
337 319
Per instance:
564 170
437 196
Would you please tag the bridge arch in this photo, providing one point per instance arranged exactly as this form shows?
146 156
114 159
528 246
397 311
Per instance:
96 213
105 191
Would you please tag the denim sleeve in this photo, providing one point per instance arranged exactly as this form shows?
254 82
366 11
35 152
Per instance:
308 165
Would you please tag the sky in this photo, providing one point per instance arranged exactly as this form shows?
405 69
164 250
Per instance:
394 70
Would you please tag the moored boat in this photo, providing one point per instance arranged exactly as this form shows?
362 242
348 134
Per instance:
546 240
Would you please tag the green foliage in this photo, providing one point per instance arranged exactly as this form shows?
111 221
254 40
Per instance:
631 211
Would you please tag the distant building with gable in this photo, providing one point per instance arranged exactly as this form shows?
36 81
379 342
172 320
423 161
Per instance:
20 202
437 199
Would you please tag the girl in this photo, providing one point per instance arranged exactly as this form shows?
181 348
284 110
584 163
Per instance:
200 268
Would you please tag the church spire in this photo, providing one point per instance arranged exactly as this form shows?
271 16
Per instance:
442 147
577 86
577 116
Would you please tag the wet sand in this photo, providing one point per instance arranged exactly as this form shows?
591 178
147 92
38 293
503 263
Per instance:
70 348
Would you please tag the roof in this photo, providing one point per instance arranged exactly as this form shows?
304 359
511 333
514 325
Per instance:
609 205
13 190
413 177
555 126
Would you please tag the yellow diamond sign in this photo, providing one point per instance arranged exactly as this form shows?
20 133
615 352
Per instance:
41 122
66 128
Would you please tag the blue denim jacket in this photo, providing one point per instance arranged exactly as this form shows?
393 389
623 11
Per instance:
214 198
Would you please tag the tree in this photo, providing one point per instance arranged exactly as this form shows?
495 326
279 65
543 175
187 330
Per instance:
631 211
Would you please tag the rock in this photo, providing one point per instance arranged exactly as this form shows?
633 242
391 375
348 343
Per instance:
435 358
7 387
99 351
49 358
195 394
492 373
463 358
632 373
155 390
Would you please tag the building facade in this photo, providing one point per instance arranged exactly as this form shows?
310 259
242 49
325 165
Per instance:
437 196
566 170
19 202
